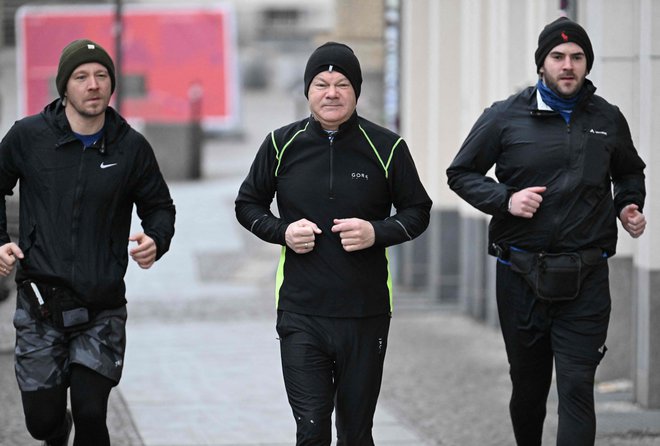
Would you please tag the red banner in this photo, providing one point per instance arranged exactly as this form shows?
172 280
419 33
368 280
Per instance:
170 56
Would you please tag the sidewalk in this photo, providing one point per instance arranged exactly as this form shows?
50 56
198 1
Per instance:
202 361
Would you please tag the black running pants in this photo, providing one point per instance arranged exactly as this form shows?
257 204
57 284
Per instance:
570 333
45 409
333 363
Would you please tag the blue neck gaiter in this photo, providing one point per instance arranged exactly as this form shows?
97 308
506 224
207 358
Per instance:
564 106
89 140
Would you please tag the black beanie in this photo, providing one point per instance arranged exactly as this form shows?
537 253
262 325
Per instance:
77 53
561 31
334 56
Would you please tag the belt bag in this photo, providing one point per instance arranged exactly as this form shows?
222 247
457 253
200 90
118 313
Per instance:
62 307
67 313
554 277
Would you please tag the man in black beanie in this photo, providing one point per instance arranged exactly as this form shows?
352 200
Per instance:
336 176
81 169
342 59
560 31
566 168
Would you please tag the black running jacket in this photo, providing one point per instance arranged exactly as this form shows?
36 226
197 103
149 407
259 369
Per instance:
589 166
363 172
76 204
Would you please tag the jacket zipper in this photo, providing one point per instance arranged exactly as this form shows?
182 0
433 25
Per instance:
75 222
331 191
564 180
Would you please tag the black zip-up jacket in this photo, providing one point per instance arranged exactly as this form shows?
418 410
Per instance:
361 173
76 204
578 163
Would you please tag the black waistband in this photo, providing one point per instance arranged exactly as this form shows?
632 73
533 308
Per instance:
503 252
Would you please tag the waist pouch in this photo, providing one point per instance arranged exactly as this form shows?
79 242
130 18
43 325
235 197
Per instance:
555 277
59 305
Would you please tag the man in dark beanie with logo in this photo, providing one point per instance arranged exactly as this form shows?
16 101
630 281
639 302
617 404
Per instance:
565 168
81 169
336 176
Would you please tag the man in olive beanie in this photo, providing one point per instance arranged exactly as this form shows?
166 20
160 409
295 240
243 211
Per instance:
333 56
77 53
80 169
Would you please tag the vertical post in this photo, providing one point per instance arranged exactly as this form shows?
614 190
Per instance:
392 63
118 30
196 135
647 260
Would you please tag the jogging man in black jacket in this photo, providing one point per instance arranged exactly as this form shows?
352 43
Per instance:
558 148
81 168
336 176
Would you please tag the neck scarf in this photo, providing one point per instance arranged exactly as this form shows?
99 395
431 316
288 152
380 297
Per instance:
563 106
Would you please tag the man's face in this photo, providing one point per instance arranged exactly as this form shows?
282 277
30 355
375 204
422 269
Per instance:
331 99
88 90
564 69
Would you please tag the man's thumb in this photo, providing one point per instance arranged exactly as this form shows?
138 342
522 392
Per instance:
17 252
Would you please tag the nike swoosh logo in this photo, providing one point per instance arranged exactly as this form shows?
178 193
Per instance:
105 166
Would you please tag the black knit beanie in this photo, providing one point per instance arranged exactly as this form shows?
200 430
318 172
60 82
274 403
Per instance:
77 53
334 56
561 31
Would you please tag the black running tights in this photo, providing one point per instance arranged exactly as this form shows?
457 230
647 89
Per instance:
45 410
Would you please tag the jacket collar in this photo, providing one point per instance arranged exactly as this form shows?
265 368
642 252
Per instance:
589 89
351 123
114 126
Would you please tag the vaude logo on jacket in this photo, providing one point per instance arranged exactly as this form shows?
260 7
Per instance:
598 132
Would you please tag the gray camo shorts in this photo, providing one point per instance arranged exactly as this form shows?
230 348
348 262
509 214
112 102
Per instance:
44 354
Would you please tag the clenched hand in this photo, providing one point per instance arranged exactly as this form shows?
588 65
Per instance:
300 235
355 233
526 202
632 220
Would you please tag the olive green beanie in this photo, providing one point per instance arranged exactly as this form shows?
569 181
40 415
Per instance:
77 53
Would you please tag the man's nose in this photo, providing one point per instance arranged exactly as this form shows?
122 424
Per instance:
93 83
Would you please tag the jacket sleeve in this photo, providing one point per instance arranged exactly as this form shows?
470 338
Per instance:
153 202
409 198
8 178
467 173
255 196
626 169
